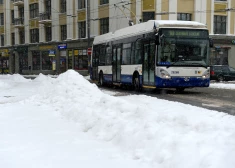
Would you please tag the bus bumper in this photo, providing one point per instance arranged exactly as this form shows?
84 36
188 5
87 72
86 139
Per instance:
185 82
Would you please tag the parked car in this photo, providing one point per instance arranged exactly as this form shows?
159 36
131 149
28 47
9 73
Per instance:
222 73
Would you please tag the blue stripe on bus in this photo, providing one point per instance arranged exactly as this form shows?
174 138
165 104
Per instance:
180 82
125 79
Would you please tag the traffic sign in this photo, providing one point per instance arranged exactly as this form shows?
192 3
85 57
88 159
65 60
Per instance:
89 51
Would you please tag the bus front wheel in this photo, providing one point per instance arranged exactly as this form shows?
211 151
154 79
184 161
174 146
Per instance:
136 83
101 79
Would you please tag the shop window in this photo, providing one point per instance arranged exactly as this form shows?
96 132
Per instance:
36 60
80 60
46 61
104 25
70 59
148 16
220 24
23 61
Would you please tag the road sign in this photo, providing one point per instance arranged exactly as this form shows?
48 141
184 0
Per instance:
89 51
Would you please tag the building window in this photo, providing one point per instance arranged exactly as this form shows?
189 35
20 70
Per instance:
2 40
184 16
12 38
104 25
104 2
48 6
81 29
63 32
148 16
12 16
22 36
21 12
34 35
63 6
81 4
33 10
220 24
48 34
1 19
1 1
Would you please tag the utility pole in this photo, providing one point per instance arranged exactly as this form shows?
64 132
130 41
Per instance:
88 23
88 35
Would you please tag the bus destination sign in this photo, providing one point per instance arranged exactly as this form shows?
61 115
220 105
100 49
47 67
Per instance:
185 33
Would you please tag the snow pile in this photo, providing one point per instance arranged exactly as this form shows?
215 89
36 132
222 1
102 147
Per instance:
158 132
222 85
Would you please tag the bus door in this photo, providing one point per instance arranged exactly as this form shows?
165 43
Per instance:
149 63
116 64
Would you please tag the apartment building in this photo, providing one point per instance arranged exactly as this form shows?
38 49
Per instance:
51 36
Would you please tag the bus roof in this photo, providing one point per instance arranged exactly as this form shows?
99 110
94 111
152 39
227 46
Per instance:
146 27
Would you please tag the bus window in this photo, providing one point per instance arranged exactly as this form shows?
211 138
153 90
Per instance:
126 54
108 56
102 56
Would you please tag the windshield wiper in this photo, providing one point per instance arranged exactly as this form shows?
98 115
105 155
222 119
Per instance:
175 63
199 64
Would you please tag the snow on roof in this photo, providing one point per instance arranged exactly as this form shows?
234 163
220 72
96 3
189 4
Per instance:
146 27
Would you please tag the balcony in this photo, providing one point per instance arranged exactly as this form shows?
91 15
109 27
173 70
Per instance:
45 18
19 22
18 2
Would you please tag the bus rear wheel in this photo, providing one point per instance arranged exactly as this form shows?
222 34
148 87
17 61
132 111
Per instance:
179 90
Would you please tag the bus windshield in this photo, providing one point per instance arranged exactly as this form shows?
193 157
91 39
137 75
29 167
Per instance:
184 48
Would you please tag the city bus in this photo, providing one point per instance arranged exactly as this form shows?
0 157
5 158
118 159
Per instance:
153 54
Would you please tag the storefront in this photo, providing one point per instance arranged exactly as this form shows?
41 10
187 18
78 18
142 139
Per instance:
42 59
77 56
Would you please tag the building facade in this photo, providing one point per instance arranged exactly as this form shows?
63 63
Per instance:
51 36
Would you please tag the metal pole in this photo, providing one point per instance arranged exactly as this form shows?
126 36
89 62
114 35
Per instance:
88 23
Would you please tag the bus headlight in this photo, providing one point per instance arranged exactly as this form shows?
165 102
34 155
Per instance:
164 74
206 74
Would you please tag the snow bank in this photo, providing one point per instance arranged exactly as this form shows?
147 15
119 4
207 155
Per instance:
159 132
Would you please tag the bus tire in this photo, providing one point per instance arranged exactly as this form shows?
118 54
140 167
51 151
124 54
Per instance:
136 83
220 78
180 90
101 79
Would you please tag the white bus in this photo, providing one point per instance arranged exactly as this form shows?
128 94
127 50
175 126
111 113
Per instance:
154 54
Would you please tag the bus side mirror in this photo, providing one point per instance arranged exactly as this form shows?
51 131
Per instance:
211 42
157 40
